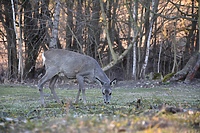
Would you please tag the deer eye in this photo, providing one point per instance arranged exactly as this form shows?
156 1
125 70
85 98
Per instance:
103 91
110 94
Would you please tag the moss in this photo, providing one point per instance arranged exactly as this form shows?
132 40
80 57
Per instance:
168 77
154 76
157 76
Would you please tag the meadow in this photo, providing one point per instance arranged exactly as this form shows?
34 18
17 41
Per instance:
163 108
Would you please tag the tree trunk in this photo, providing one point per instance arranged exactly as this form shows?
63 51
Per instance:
152 17
174 43
78 43
69 25
32 38
11 39
18 38
114 56
199 25
94 30
189 70
54 35
135 18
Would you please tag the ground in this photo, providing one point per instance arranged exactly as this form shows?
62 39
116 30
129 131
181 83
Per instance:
136 106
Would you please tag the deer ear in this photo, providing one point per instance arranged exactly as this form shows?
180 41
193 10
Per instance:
101 82
113 82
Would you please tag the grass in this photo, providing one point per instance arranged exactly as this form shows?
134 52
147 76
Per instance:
131 110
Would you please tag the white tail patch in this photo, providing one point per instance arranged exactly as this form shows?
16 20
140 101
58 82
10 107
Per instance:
43 58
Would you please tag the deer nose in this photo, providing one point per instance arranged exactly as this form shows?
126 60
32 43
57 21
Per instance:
106 102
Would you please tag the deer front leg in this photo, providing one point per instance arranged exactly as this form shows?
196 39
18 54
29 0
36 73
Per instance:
50 73
78 94
40 88
80 80
41 96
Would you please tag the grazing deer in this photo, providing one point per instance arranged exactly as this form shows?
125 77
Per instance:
73 66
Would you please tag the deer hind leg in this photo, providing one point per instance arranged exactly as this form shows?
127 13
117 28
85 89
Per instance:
80 80
48 75
51 86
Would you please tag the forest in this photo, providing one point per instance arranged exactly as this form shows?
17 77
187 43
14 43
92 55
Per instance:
129 38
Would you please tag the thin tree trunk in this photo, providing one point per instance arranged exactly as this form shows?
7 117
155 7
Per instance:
54 38
199 24
134 27
32 37
20 65
135 17
94 30
174 43
159 55
43 24
174 49
11 39
142 73
139 53
114 56
152 16
69 24
146 32
78 32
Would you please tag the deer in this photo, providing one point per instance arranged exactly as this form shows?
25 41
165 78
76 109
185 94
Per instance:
73 65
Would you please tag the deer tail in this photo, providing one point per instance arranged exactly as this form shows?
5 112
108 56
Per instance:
43 58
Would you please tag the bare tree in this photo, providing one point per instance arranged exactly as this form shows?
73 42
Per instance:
33 36
152 17
134 27
6 18
18 38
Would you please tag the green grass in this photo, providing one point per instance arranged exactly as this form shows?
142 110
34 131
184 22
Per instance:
20 110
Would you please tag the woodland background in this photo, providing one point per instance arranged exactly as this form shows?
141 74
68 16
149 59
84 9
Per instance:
129 38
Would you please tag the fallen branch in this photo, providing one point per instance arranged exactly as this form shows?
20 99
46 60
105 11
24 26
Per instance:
120 57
